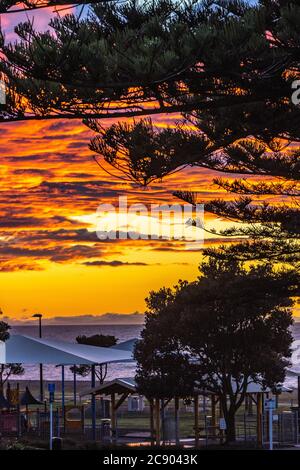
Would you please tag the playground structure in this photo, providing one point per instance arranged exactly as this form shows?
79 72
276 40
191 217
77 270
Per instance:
193 422
22 414
28 350
114 412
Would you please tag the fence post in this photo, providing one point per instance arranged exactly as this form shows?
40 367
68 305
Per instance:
221 416
177 439
51 425
157 422
93 401
152 427
162 413
280 428
259 418
38 422
213 414
58 426
83 421
297 426
19 425
270 422
196 419
206 434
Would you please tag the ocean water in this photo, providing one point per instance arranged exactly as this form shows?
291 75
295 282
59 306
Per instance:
123 333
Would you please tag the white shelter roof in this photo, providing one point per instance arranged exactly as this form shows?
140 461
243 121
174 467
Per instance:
295 372
126 345
28 350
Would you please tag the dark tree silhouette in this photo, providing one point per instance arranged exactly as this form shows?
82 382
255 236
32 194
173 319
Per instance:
14 6
6 370
104 341
229 328
154 57
227 67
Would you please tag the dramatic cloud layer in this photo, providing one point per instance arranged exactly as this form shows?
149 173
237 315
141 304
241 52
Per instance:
50 257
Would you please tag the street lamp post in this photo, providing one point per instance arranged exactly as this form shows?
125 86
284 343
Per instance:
39 316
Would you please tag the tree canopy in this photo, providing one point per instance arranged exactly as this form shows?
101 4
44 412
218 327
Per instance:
226 66
6 370
151 57
229 328
13 6
103 341
99 340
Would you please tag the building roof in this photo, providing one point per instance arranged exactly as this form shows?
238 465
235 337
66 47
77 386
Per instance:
295 372
118 386
28 350
128 385
126 345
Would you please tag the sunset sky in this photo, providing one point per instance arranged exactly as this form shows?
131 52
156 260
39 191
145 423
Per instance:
51 259
51 188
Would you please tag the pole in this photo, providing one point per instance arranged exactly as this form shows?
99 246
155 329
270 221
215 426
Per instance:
113 418
40 327
41 383
41 365
19 421
51 424
74 384
162 417
152 431
63 394
157 422
58 422
177 421
271 427
221 417
93 403
213 414
259 419
51 389
63 387
196 412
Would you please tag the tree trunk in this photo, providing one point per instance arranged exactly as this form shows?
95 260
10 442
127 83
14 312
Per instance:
230 427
